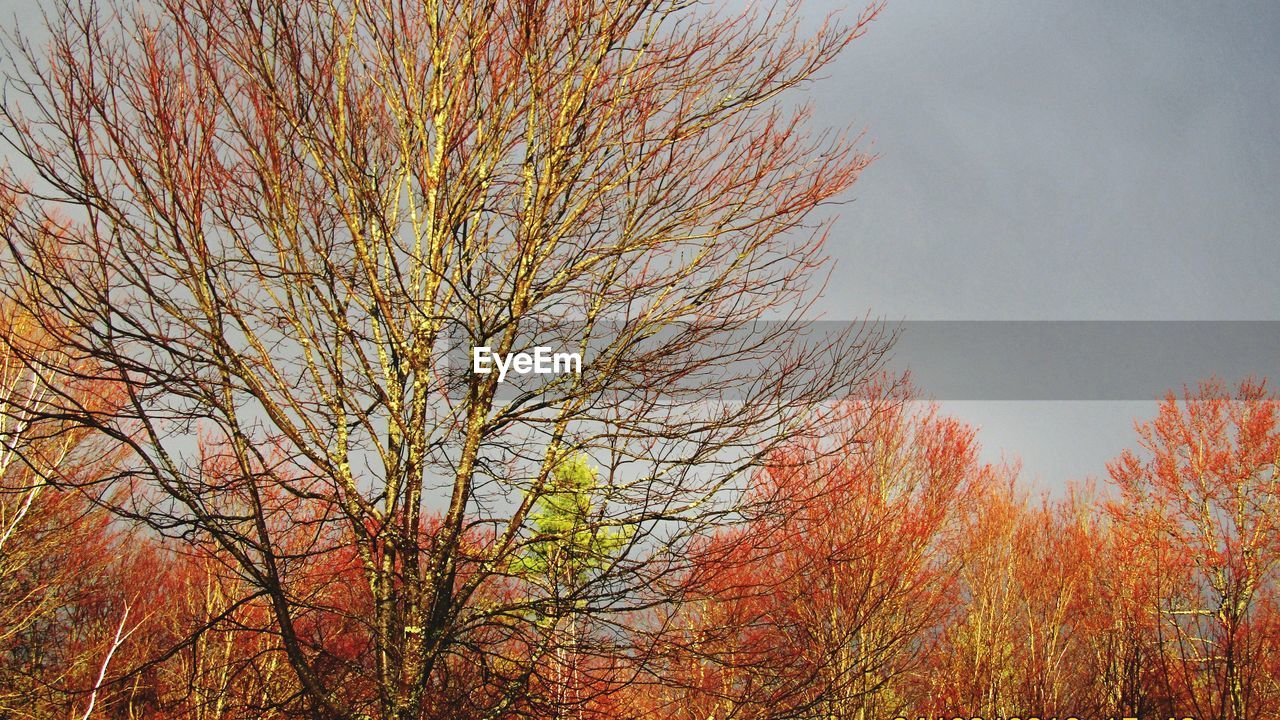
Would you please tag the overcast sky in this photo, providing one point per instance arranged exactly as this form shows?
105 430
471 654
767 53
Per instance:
1105 160
1071 161
1084 160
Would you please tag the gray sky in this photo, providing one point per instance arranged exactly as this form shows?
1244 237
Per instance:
1070 161
1095 160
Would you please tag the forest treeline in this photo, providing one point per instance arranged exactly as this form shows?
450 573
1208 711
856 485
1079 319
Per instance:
897 576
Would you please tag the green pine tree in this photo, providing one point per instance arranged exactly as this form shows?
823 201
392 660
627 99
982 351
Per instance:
570 539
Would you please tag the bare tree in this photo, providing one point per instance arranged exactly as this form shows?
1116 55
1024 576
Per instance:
280 226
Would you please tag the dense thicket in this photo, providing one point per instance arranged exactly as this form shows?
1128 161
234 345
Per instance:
902 577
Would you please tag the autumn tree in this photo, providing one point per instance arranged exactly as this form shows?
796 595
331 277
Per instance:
61 559
1131 668
1032 633
280 226
1202 499
824 608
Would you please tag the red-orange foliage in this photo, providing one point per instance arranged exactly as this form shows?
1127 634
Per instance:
902 576
824 606
1201 503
